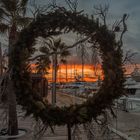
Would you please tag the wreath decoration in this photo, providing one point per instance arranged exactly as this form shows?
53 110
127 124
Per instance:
54 23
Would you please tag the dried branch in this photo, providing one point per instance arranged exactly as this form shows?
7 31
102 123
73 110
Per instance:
81 50
102 12
129 56
72 4
39 129
38 56
123 20
53 2
78 42
95 57
37 9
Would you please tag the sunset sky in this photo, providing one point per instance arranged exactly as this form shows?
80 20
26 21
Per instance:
72 71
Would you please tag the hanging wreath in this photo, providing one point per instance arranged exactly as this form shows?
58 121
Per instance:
54 23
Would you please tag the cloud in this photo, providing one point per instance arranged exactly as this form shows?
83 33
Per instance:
117 9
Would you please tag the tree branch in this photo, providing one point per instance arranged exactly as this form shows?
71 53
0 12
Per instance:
102 12
34 58
120 43
80 41
129 57
72 46
72 4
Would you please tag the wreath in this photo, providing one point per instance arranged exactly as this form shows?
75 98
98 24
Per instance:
56 22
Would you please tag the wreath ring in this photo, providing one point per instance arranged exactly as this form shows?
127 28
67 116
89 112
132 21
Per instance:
54 23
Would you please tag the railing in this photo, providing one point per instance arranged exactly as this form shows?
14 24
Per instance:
120 134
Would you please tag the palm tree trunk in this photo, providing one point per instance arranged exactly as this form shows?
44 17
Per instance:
66 72
83 64
69 131
12 122
60 80
54 76
12 114
71 72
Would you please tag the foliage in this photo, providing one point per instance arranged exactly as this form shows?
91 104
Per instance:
13 13
12 21
50 47
55 22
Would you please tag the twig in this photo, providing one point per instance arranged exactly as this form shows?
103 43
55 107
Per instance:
72 4
120 43
102 12
129 57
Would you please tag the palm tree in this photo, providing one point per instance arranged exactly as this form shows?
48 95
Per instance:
57 50
83 54
43 65
12 20
95 60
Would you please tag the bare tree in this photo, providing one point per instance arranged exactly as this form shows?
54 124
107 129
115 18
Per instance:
82 52
129 57
72 4
95 59
118 26
101 11
39 9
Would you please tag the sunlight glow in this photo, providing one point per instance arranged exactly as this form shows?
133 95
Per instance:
71 72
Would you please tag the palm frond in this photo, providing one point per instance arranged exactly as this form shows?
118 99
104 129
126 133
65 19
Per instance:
43 64
65 53
23 21
58 43
55 46
44 50
9 5
23 3
64 61
3 14
23 6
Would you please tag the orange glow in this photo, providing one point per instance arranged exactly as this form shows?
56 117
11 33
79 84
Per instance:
33 68
69 72
130 68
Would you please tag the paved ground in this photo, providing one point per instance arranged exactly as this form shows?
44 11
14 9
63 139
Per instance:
128 123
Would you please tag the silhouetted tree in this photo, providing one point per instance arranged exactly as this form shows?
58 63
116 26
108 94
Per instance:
12 20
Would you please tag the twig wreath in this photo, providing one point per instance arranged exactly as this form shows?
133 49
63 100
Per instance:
54 23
